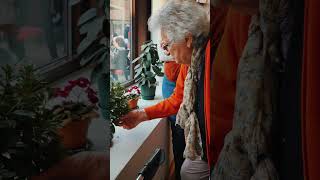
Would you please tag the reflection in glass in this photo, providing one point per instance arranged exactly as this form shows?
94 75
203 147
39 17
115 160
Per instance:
120 15
32 31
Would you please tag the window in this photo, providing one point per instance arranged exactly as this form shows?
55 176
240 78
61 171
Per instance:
121 40
43 33
33 31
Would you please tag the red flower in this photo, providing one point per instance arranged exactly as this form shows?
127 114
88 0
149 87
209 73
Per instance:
90 91
73 82
63 94
83 82
56 92
93 99
68 88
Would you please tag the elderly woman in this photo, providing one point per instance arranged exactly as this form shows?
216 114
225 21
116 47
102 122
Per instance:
185 30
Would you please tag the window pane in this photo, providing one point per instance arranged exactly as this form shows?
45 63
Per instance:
32 31
120 15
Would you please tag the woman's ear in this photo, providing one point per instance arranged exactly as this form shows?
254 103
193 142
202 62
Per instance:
189 40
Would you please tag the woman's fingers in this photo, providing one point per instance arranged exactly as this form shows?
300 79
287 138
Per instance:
132 119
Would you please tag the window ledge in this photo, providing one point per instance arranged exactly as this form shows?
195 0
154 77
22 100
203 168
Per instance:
128 145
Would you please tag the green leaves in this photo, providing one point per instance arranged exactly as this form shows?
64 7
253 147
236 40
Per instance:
28 130
149 65
118 105
157 70
93 48
73 2
87 16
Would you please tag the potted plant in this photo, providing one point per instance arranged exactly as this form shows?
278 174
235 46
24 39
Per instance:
76 103
133 95
148 67
118 106
28 129
93 49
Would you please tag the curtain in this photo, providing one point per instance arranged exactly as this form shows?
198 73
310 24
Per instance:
311 91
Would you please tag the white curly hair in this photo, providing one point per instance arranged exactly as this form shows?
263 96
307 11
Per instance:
177 18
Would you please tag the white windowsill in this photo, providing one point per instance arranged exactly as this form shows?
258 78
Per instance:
127 143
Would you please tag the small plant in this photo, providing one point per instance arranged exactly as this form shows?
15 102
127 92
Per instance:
149 65
133 92
78 100
118 105
29 142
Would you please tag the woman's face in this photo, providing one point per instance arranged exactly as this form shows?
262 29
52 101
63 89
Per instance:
180 51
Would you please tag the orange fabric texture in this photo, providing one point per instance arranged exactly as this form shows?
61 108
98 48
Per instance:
310 91
224 75
207 107
171 105
171 70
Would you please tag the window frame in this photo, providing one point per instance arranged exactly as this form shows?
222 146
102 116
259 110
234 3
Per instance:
70 62
140 12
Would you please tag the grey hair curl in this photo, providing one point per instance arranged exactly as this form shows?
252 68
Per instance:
177 18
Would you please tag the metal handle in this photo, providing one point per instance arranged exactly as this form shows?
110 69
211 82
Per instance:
151 167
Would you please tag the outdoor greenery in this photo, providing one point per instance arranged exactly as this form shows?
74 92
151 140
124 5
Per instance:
28 130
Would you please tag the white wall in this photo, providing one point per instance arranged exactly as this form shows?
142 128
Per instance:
156 4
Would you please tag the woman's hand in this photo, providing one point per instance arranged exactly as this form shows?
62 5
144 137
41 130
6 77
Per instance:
132 119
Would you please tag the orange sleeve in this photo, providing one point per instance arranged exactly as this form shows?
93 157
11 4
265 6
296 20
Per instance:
171 105
171 70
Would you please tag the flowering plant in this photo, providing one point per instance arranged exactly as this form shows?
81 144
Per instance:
77 100
133 92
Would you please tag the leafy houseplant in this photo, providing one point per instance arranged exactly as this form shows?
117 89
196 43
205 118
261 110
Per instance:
149 66
28 129
133 95
118 105
76 103
93 49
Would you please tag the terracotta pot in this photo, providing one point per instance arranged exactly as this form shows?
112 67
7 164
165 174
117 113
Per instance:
74 134
133 103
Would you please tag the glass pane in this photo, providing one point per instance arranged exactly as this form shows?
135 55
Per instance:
120 15
32 31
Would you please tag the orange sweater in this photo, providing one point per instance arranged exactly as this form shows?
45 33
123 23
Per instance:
171 105
171 70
